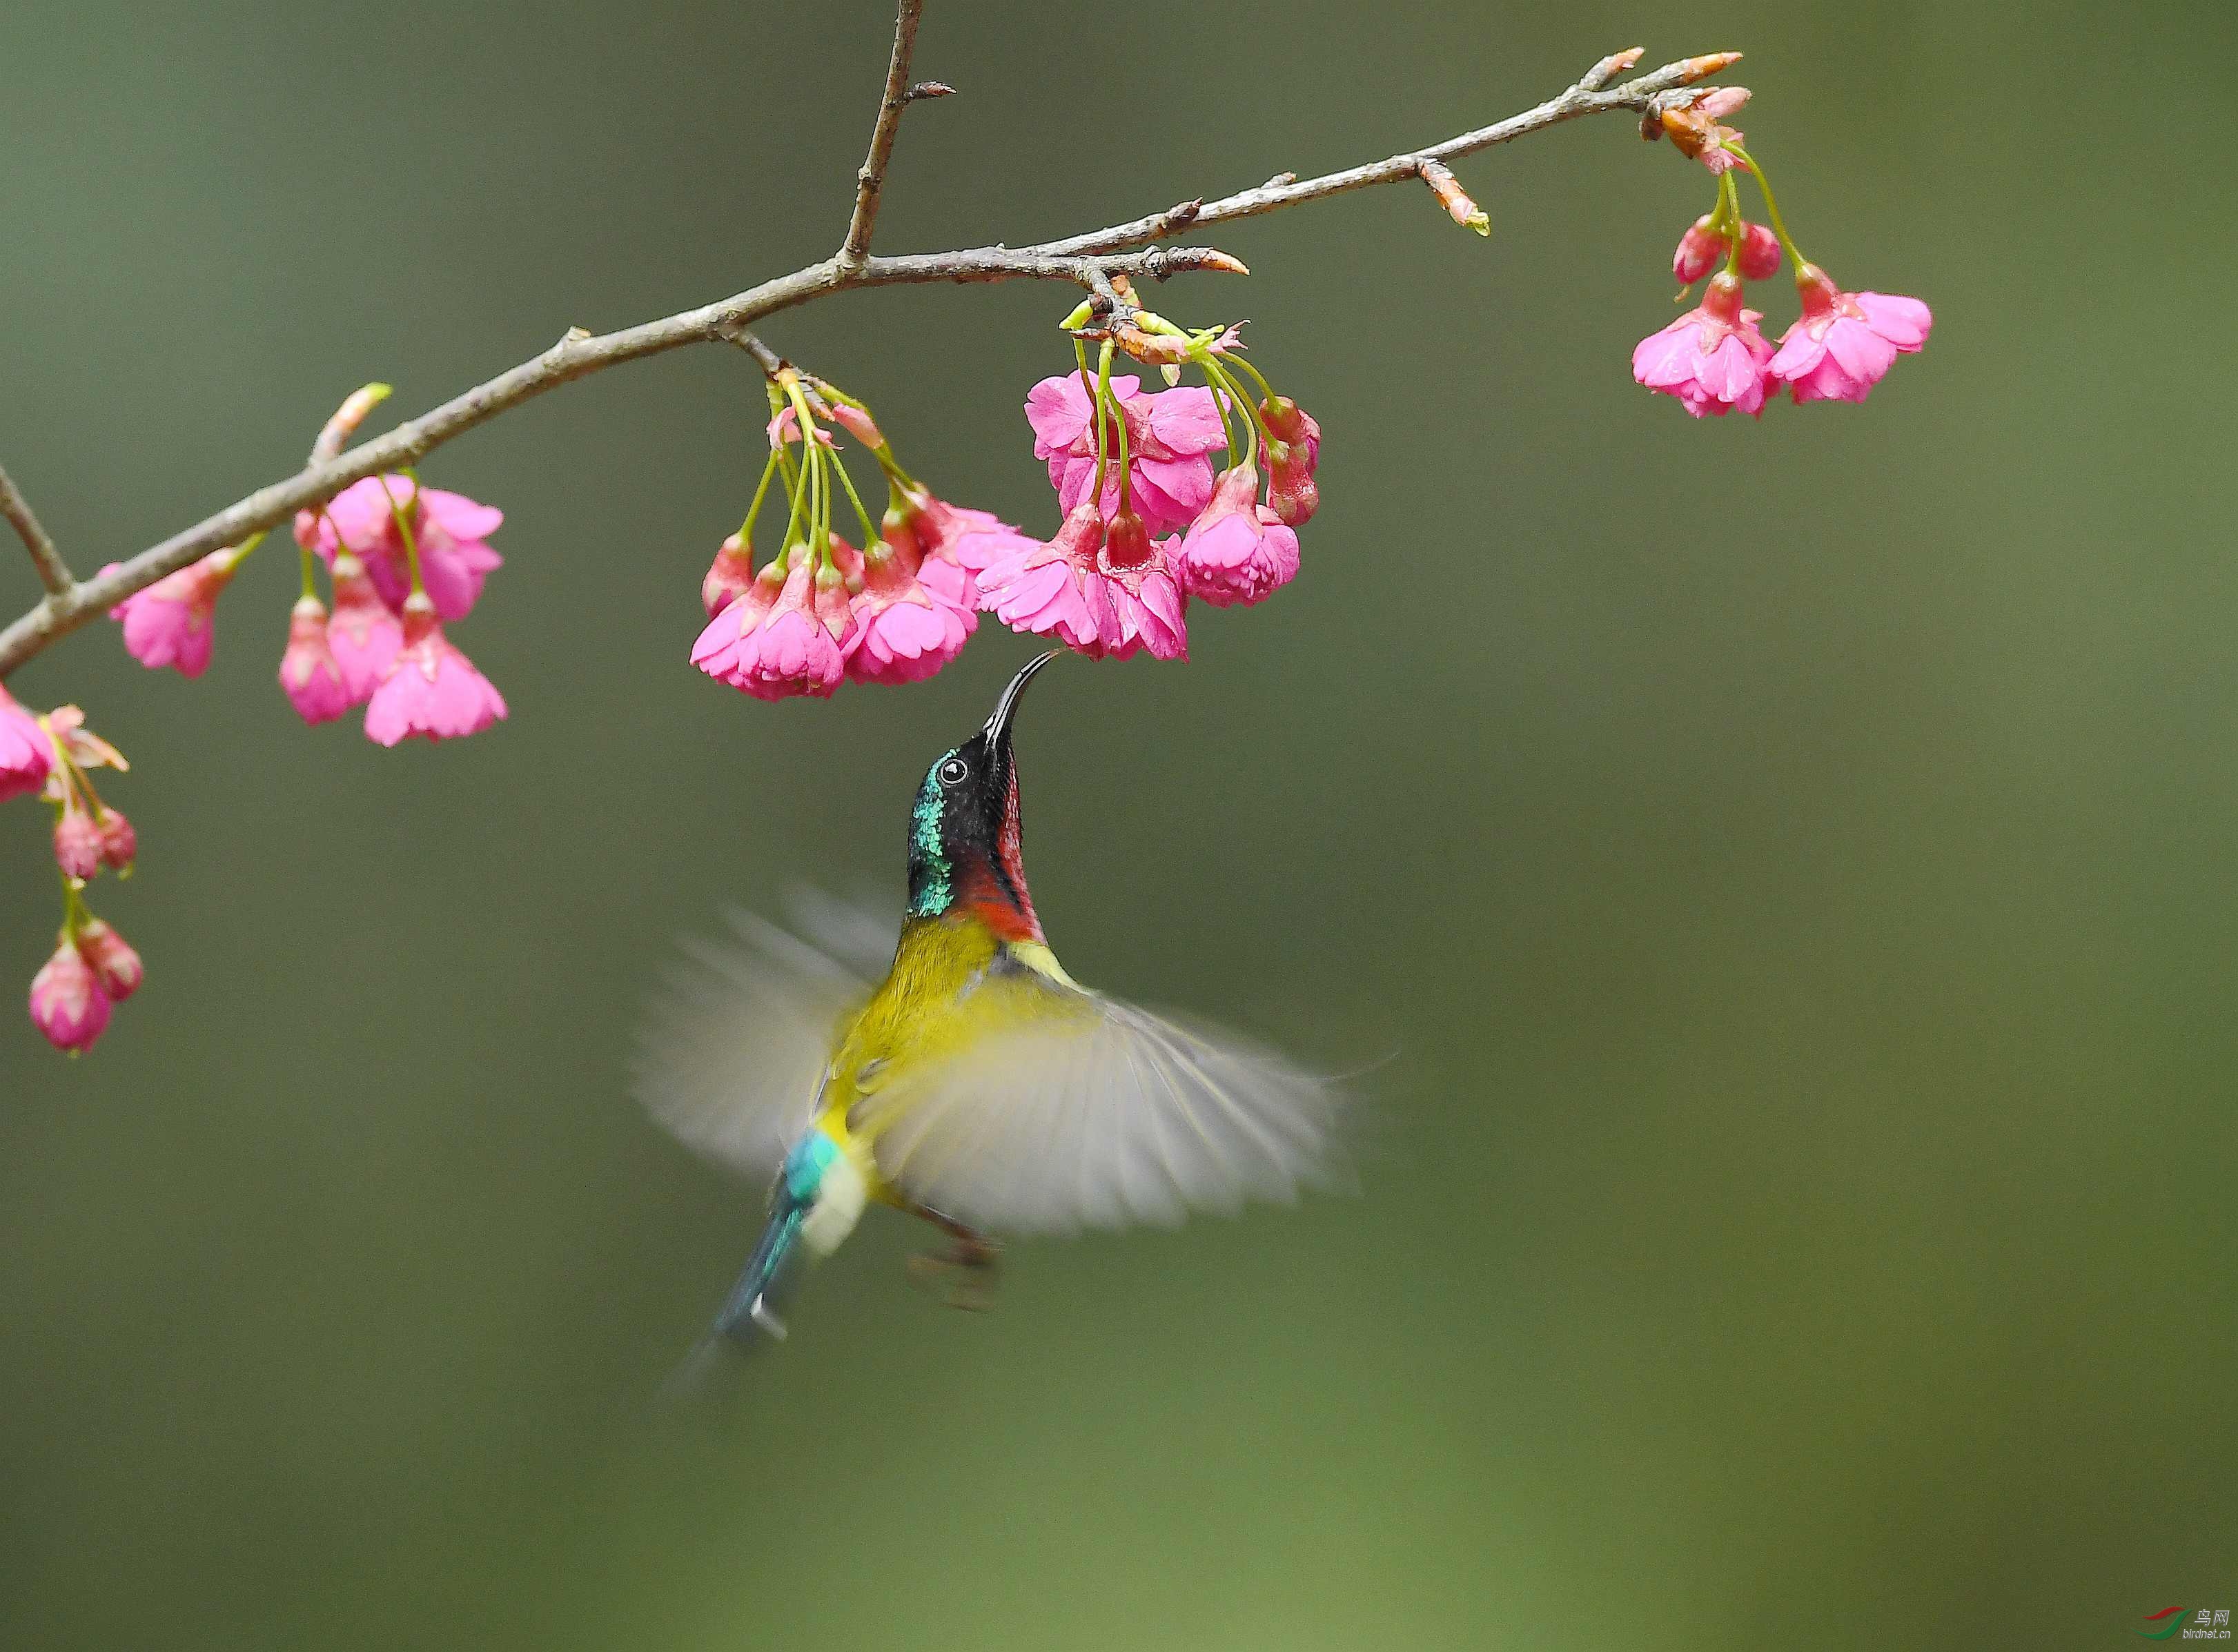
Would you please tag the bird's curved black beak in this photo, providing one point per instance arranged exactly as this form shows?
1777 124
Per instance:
997 731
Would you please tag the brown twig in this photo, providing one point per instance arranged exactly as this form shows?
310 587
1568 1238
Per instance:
1092 260
54 572
872 179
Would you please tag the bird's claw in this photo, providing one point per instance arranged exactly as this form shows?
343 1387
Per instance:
964 1276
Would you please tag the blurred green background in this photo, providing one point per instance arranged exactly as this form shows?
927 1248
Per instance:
1791 861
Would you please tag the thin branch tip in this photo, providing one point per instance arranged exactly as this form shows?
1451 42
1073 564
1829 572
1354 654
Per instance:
870 179
53 573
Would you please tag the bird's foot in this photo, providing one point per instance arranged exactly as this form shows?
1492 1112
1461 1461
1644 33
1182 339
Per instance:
964 1276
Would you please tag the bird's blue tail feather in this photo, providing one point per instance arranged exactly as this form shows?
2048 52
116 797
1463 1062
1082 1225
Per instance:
749 1316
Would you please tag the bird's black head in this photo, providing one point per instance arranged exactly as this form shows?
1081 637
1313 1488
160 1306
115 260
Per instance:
964 832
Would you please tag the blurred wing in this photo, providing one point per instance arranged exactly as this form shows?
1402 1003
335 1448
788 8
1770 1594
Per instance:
1086 1112
734 1044
857 932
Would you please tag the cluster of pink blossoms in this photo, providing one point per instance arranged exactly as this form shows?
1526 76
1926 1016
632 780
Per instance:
93 968
1714 359
403 560
1128 467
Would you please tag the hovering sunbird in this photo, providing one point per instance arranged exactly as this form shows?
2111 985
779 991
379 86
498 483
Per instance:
977 1085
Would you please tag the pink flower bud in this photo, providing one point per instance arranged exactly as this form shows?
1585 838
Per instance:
68 1004
308 675
1701 249
116 966
1760 254
1292 493
728 576
77 844
120 844
858 423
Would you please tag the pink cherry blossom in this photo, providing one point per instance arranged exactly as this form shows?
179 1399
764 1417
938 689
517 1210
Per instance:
68 1004
170 622
904 629
1102 588
308 674
721 642
1239 551
26 753
432 689
363 636
1138 591
1711 359
120 844
115 965
1169 435
77 844
450 529
792 644
1844 342
728 576
1038 589
954 536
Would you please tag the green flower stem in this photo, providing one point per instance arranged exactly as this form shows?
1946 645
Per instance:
1095 389
799 493
1231 362
310 585
812 461
870 529
404 528
746 528
1771 206
75 914
1729 208
1119 420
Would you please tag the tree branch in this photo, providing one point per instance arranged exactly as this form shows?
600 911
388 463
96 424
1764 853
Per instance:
872 178
54 572
1091 259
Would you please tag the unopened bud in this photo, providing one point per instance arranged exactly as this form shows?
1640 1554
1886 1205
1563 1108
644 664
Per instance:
77 844
1699 252
1715 62
1760 254
115 965
347 417
858 423
728 576
1455 200
120 844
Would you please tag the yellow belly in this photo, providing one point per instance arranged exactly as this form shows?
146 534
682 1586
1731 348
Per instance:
936 1001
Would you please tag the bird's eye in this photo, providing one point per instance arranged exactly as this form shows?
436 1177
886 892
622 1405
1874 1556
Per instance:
953 771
